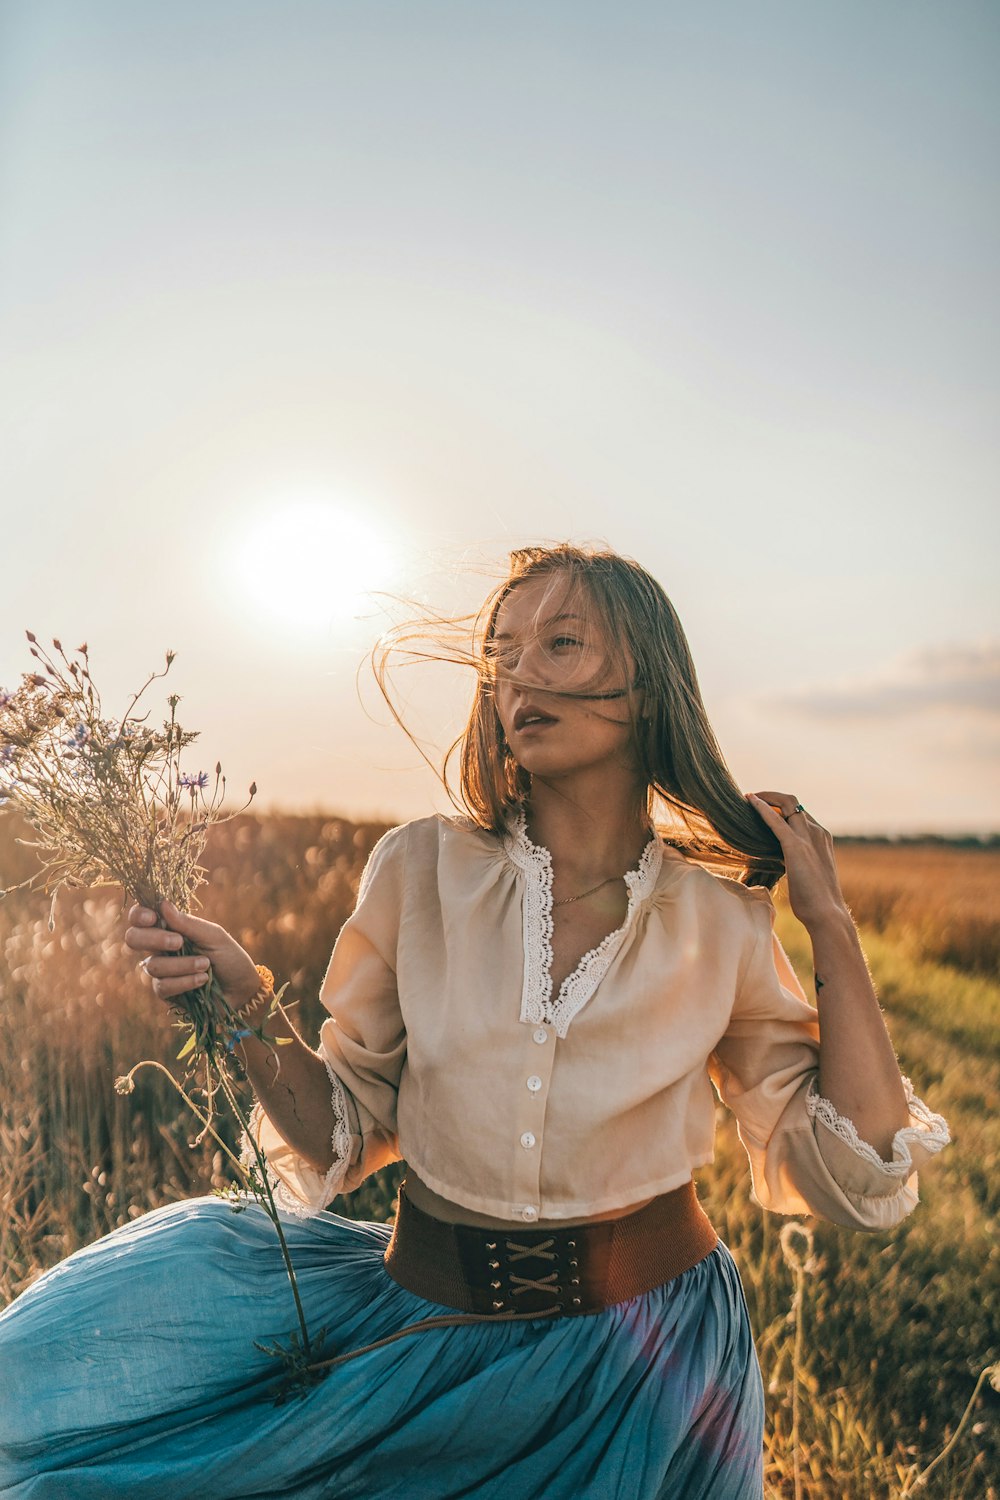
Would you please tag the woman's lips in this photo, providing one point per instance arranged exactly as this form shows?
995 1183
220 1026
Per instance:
529 720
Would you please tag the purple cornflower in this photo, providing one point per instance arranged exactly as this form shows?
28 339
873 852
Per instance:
6 754
80 736
194 781
5 697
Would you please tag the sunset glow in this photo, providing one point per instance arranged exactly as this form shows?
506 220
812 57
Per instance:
309 563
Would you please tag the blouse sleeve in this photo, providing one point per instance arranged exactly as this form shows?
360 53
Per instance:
362 1042
805 1157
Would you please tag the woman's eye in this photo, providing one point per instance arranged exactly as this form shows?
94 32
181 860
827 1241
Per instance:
566 640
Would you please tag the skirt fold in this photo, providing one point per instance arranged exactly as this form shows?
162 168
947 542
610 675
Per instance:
131 1370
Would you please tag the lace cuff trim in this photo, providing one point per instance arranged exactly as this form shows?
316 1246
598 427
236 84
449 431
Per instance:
535 863
285 1197
931 1132
341 1138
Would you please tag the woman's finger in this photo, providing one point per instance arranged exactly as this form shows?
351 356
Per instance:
153 940
196 928
174 968
771 814
169 989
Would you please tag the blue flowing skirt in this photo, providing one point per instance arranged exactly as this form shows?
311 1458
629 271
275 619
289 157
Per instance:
130 1370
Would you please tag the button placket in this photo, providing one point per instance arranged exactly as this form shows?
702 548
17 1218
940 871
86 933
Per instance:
539 1056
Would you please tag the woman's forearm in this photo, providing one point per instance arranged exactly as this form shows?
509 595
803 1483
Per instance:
293 1087
858 1071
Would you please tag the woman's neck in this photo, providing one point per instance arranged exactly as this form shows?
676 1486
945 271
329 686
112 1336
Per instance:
588 837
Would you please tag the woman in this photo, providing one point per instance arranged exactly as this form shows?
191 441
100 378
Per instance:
530 1005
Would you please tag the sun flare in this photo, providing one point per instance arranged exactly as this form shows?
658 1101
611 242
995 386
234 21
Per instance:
311 563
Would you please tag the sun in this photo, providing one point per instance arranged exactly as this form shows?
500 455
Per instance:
309 563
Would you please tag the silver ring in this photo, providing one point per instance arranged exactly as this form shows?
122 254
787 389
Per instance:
797 808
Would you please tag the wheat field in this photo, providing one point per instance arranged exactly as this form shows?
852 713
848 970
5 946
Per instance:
893 1330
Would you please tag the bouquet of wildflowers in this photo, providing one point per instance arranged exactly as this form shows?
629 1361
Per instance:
110 805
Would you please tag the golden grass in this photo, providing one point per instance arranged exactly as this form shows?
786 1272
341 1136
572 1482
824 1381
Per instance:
893 1329
938 902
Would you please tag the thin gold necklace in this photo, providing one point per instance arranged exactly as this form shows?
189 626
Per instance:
568 900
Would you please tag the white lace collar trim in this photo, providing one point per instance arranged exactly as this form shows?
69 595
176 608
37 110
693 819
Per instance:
535 863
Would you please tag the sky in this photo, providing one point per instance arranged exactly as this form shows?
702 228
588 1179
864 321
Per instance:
310 313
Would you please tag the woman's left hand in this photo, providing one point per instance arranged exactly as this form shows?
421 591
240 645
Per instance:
814 892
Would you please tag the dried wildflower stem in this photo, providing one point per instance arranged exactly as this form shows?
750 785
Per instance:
919 1481
800 1266
796 1367
219 1075
110 806
211 1017
126 1083
275 1217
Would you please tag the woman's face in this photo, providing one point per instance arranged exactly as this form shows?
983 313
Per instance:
546 642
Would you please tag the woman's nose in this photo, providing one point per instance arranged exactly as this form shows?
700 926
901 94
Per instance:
531 661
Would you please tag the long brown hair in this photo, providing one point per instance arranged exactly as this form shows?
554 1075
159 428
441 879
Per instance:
678 756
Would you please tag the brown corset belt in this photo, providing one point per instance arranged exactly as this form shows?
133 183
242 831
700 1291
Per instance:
516 1273
578 1268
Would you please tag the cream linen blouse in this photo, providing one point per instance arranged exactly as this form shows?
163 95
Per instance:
446 1047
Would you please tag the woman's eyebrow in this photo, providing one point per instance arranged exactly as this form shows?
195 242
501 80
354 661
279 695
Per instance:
505 636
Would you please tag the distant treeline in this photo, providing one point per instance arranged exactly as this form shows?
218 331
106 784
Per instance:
939 840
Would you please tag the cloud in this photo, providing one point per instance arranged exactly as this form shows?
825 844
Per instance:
958 678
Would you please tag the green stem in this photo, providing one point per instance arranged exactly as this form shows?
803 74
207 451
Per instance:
204 1007
272 1206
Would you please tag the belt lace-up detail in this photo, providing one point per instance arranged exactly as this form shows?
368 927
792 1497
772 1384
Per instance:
518 1252
520 1284
499 1266
578 1270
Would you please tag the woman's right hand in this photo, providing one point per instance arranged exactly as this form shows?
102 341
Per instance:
215 953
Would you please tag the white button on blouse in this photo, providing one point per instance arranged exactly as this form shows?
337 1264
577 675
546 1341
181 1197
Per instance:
540 1035
527 1140
534 1083
528 1212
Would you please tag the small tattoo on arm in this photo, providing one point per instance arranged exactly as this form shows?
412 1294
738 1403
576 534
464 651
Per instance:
818 983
